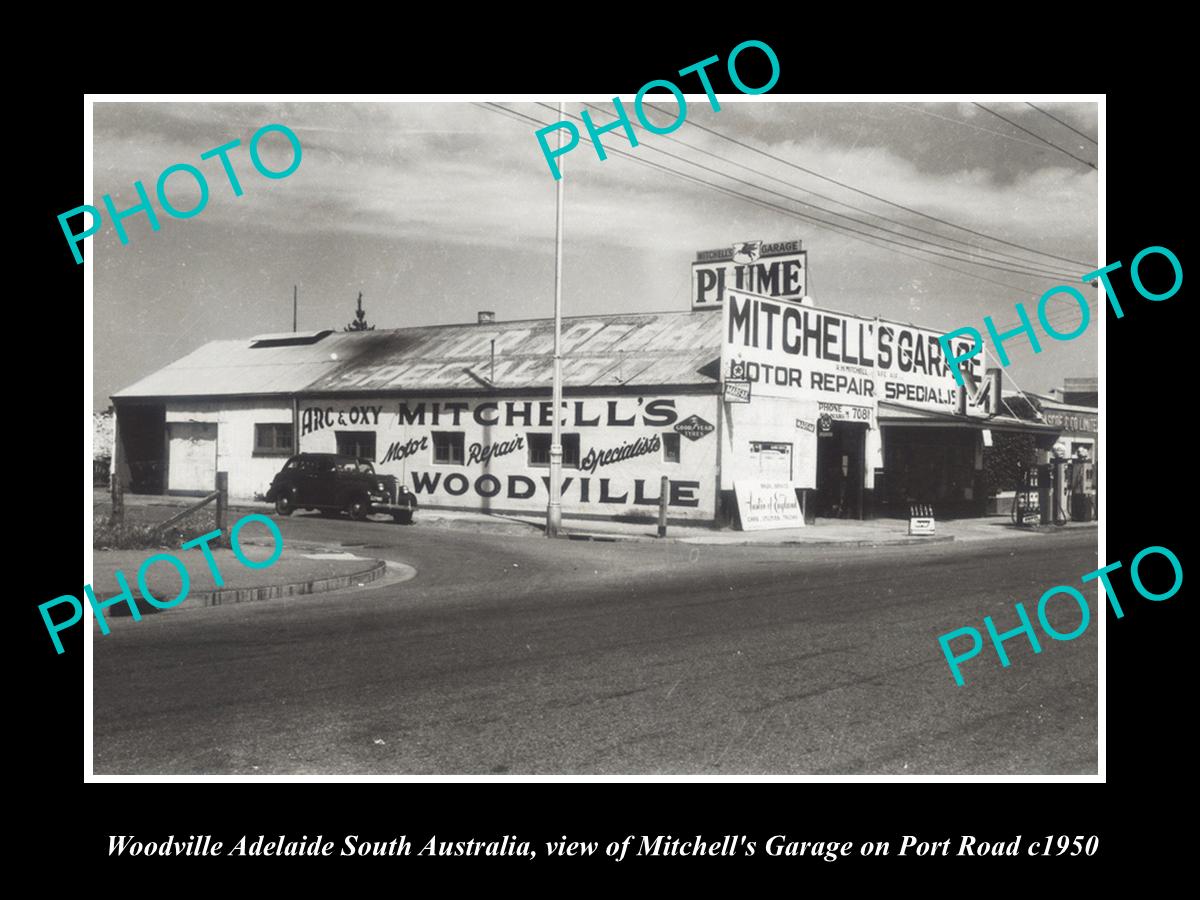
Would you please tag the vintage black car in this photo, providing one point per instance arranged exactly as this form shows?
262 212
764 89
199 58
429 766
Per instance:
331 483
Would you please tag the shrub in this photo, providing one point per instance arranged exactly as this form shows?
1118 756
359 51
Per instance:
1004 461
110 535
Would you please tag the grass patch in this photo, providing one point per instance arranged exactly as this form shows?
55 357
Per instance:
110 535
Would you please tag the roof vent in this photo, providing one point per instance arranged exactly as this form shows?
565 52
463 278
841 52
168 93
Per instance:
288 339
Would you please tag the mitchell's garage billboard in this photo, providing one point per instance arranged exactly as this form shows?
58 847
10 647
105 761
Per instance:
778 270
847 363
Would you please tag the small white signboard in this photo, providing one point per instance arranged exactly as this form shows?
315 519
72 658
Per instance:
737 391
920 519
767 504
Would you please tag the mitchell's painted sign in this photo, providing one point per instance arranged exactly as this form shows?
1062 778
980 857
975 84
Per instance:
849 362
748 251
911 370
476 453
773 269
791 351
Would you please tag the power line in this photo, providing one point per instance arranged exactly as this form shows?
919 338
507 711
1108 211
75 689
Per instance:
518 116
1038 136
1003 268
1039 272
765 203
806 216
1062 317
1013 380
1062 123
1000 134
996 255
870 239
907 209
1055 319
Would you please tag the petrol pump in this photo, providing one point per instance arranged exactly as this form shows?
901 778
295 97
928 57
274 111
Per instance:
1054 487
1024 509
1083 487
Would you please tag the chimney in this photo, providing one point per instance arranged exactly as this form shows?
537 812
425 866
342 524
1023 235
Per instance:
486 317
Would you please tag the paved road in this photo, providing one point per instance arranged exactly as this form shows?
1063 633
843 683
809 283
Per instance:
520 655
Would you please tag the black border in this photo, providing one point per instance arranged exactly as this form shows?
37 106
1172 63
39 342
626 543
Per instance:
1146 390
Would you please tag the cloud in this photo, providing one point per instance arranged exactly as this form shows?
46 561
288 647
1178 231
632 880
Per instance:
462 174
435 209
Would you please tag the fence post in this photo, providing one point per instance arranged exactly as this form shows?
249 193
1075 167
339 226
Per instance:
222 498
118 497
662 506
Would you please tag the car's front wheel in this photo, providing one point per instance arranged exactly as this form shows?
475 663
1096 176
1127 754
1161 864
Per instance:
404 517
358 508
285 505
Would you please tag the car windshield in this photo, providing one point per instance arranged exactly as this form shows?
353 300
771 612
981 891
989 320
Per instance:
351 466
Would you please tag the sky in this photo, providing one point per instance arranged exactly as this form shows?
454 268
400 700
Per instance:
434 211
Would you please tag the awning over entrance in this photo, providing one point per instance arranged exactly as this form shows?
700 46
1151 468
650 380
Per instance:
911 416
938 459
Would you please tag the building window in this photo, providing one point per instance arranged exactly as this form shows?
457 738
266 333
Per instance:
273 439
670 442
360 444
448 447
539 450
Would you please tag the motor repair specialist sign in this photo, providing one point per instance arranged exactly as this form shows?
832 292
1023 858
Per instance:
910 370
777 269
798 352
846 363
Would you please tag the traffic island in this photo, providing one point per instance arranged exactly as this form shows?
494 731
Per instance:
296 572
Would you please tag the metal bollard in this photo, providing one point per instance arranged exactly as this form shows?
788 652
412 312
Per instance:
662 506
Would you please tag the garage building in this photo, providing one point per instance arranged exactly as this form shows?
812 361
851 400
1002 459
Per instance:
460 414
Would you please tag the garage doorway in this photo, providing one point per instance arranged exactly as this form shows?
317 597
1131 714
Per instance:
841 454
141 446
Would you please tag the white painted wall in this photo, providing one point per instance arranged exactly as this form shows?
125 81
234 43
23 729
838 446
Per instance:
769 419
624 487
235 419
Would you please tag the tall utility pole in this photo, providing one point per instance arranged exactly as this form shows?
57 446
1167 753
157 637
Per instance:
554 507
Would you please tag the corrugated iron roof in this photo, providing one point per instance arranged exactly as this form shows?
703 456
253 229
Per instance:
1050 402
224 368
670 348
